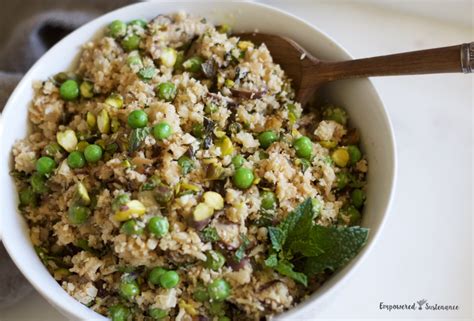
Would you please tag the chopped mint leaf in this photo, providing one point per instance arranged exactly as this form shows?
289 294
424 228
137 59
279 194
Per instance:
317 247
291 227
277 237
209 234
301 221
147 73
286 268
307 247
339 245
137 136
271 261
240 253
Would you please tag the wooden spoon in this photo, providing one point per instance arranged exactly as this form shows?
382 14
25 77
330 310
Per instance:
308 73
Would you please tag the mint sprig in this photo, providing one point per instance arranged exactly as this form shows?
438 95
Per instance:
301 248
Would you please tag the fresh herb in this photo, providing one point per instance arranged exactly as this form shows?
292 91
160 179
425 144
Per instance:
45 257
285 268
151 183
186 164
321 248
266 218
147 73
240 253
209 234
137 136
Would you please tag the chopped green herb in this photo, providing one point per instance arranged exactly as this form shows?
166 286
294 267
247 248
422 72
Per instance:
209 234
240 253
322 248
137 136
147 73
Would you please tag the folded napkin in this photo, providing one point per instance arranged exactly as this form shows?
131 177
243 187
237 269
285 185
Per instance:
28 28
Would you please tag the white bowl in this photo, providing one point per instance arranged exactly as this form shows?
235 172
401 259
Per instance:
359 97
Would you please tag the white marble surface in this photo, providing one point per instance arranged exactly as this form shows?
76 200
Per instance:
426 248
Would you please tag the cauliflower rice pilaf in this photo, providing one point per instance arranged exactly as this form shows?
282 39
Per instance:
172 176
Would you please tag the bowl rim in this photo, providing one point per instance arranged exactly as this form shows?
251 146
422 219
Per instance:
62 304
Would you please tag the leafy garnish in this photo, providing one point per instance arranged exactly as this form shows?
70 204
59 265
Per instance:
301 248
137 136
147 73
286 268
240 253
209 234
338 244
151 183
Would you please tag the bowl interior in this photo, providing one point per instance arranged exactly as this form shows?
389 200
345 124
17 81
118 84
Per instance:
358 96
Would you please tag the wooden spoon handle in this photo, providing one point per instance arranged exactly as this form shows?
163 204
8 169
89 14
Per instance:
439 60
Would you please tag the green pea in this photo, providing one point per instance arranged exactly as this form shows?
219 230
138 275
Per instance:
117 29
357 198
342 179
93 153
69 90
129 289
76 160
78 214
157 313
303 147
162 130
131 227
215 260
198 130
169 279
137 119
186 164
353 214
158 226
166 91
336 114
38 183
354 154
267 138
119 313
130 42
219 290
269 200
138 22
27 197
155 274
200 294
45 165
193 64
238 161
243 178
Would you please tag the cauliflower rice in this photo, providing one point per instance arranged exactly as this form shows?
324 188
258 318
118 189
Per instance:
91 222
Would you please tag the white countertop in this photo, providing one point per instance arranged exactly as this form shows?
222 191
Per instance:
425 251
